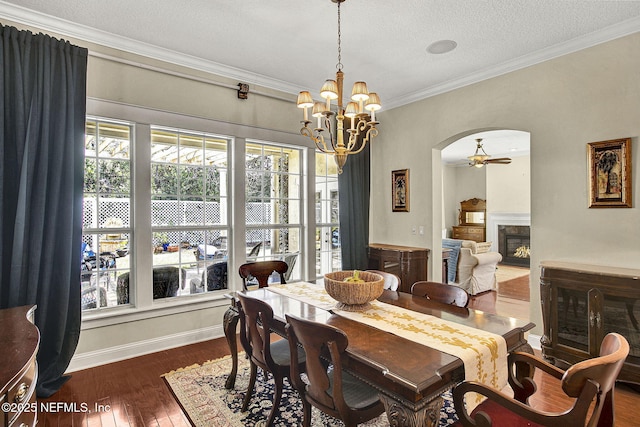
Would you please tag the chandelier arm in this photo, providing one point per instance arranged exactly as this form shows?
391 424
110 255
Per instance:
317 139
320 143
370 134
327 125
359 127
322 148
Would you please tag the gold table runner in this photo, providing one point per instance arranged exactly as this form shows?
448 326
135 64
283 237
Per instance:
484 354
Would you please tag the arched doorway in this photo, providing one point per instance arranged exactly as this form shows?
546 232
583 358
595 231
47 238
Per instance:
506 187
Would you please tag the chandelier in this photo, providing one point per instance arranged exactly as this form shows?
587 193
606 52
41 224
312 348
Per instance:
361 127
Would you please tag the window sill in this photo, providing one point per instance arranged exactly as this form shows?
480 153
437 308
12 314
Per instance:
118 315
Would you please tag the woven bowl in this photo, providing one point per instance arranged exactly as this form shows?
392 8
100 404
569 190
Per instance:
353 296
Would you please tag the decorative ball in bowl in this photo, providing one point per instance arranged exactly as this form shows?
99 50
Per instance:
353 289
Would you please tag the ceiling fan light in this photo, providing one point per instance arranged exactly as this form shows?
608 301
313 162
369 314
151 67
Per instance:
478 158
478 164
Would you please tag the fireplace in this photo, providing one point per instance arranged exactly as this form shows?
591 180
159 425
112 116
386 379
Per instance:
513 244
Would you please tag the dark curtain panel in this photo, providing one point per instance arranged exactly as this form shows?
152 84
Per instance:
43 108
353 190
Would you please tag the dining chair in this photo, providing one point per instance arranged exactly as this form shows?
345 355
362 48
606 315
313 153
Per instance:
441 292
328 387
256 317
290 259
215 276
166 283
261 271
584 381
253 253
391 281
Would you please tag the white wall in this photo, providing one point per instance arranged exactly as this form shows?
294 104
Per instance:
509 186
451 204
118 83
462 183
565 103
591 95
506 188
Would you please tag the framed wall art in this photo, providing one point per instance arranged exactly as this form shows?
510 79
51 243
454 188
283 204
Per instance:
610 173
400 190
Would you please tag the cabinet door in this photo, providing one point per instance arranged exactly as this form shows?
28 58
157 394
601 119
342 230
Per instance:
596 321
621 314
572 318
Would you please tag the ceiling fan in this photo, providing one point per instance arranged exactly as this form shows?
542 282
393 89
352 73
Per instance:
481 158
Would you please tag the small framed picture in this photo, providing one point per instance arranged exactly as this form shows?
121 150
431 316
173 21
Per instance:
610 173
400 190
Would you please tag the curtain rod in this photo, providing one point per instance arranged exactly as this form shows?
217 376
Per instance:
184 75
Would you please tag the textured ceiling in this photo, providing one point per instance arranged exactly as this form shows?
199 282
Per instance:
290 45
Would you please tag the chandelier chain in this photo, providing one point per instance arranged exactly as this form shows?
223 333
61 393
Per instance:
339 64
350 128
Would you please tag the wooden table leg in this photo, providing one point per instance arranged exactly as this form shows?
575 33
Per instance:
230 323
401 415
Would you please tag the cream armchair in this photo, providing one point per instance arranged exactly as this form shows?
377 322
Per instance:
476 270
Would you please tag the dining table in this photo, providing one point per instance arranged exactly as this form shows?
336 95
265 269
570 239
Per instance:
410 376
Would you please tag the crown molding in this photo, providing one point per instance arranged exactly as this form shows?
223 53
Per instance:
66 28
612 32
69 29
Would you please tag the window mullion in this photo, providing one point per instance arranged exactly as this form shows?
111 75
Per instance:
238 204
142 263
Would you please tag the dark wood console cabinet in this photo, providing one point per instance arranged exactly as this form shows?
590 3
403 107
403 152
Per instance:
581 304
408 263
19 340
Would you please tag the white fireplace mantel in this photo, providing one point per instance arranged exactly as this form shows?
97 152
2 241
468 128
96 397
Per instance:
503 218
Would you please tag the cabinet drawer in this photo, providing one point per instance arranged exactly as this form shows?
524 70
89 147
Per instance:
23 391
27 417
468 233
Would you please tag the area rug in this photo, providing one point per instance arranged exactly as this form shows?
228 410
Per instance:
200 392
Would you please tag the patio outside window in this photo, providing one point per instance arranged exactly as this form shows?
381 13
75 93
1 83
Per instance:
328 255
189 205
107 211
273 204
188 198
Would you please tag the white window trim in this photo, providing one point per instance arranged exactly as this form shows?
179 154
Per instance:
142 118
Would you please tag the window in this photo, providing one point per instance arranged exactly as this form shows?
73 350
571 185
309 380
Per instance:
189 205
328 255
160 220
107 212
273 204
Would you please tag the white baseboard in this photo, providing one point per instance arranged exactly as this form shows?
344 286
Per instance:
534 341
114 354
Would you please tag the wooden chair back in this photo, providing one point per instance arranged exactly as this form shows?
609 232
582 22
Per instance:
256 317
603 370
325 389
585 381
262 270
441 292
391 281
255 323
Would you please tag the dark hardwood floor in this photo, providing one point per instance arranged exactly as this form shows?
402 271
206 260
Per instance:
135 394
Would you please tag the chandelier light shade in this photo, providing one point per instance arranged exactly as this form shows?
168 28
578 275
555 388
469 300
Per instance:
331 136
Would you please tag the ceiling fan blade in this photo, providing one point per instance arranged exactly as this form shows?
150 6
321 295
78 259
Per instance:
500 160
